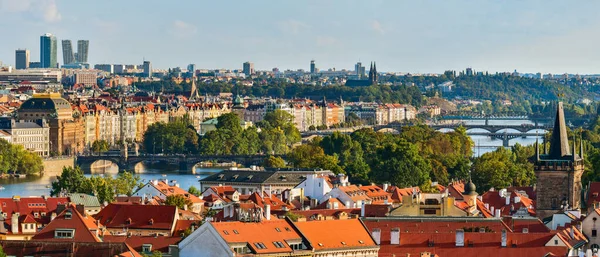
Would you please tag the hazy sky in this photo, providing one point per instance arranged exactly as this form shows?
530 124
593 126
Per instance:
407 36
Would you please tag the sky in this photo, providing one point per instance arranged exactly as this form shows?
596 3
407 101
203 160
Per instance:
416 36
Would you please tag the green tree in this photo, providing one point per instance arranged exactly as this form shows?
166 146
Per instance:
70 181
402 165
274 162
127 183
179 200
501 169
100 146
312 156
2 254
194 191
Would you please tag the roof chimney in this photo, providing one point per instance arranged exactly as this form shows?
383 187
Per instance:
395 236
362 209
376 235
14 223
504 238
559 143
498 213
268 211
507 199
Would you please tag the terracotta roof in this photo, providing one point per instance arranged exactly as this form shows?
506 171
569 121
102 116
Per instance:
160 243
115 215
268 233
34 206
355 193
84 227
593 194
438 236
493 199
341 234
397 193
377 194
61 249
335 204
167 190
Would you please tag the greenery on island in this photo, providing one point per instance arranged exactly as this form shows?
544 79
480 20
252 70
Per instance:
194 191
180 201
14 159
176 137
106 188
100 146
277 135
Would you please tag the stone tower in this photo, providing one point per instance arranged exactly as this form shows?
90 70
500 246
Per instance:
194 96
558 172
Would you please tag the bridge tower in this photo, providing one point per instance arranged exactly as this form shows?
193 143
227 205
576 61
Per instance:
558 185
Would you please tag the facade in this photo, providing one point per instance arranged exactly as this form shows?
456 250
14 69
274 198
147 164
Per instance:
558 173
162 189
21 217
85 78
67 50
32 135
38 75
140 220
48 51
22 59
105 67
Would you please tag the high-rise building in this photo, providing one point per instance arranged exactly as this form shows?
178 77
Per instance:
359 69
82 51
105 67
313 68
48 51
147 69
22 59
191 69
67 50
248 68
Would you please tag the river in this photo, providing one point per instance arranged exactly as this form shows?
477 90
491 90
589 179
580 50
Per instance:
37 186
484 144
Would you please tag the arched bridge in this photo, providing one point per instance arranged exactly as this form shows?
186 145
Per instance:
493 128
185 162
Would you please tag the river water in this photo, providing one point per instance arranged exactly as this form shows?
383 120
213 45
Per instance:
484 144
37 186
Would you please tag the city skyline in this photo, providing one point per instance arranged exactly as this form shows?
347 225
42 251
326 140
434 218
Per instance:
404 36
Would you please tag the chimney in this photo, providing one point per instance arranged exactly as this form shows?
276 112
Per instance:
498 213
385 186
53 216
460 237
504 238
268 211
517 199
14 223
329 205
313 203
385 201
507 198
376 235
362 210
395 236
487 205
348 204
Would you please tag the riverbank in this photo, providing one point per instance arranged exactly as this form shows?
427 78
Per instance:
54 166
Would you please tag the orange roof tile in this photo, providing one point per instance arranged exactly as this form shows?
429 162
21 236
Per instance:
262 237
350 233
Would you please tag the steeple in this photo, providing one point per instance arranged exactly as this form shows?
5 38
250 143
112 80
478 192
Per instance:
559 143
194 96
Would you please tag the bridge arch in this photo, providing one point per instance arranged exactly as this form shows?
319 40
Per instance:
388 130
86 163
477 130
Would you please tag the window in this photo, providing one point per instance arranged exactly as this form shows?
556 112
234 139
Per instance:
279 244
525 230
64 233
260 245
429 211
594 233
225 232
147 248
277 229
236 232
555 242
68 215
287 229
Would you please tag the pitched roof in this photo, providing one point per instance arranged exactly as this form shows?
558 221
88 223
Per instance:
355 193
167 190
115 215
41 206
159 243
70 218
593 194
377 194
341 234
397 193
267 232
61 249
498 202
84 199
559 142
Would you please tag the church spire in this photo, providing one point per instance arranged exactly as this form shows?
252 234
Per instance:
194 96
559 143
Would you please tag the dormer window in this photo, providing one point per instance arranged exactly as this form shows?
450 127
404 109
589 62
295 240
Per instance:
250 177
64 233
68 215
147 248
128 221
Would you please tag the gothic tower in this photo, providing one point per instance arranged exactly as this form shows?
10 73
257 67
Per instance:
194 96
558 185
371 72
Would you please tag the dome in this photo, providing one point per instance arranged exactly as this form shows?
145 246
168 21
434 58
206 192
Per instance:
45 105
470 188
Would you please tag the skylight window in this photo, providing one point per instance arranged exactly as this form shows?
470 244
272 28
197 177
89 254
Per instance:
225 232
279 244
260 246
236 232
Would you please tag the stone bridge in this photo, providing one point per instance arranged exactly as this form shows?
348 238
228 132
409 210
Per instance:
493 128
184 162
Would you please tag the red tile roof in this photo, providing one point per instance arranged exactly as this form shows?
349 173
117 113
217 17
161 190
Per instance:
267 233
61 249
377 194
397 193
593 194
341 234
167 190
115 215
493 199
85 228
43 207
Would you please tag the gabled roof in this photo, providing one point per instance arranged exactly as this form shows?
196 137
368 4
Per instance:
377 194
116 215
341 234
493 199
267 232
84 199
397 193
335 204
82 226
167 190
31 205
355 193
593 194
